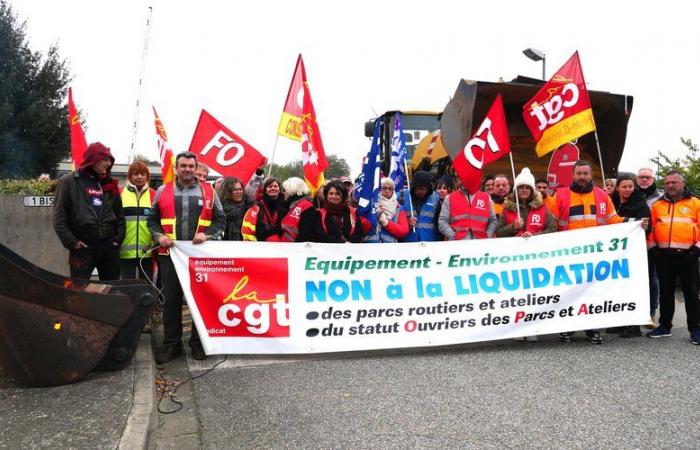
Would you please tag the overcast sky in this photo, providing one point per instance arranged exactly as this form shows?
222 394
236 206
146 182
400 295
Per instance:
236 59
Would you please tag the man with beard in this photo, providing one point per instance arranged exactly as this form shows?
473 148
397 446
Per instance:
190 210
424 201
583 205
674 246
501 189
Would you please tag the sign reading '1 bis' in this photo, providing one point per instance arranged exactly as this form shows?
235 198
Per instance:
38 200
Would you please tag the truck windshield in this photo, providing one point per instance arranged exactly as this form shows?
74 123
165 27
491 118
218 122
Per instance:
416 127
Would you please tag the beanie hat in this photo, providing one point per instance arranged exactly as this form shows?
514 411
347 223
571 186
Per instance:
421 179
526 178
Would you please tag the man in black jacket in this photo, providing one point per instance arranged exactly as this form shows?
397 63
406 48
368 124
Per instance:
88 216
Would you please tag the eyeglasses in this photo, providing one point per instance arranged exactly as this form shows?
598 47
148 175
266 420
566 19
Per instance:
645 177
387 188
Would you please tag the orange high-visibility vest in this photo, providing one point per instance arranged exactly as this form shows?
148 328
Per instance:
675 224
604 210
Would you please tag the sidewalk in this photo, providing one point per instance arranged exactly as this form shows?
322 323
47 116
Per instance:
106 410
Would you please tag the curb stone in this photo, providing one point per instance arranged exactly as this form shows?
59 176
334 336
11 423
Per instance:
139 431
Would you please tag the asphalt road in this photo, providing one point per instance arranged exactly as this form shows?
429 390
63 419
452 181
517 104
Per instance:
627 393
88 414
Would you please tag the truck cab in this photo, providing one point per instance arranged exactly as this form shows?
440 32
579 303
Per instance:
417 126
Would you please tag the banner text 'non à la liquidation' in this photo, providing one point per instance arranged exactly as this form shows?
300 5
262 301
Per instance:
249 298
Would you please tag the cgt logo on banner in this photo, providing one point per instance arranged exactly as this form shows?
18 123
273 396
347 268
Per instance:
262 297
241 297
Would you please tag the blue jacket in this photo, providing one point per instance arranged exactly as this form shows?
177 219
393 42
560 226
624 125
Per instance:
383 236
424 231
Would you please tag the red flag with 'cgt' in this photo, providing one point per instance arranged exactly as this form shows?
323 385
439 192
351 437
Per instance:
561 111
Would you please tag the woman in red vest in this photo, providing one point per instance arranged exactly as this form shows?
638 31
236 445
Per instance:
339 222
271 210
534 217
301 220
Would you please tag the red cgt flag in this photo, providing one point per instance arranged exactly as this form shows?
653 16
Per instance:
561 111
167 159
223 150
78 144
313 154
489 143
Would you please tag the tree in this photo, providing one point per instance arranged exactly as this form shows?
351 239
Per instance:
688 165
34 133
337 167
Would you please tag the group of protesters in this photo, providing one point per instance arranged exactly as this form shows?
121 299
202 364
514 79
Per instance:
115 230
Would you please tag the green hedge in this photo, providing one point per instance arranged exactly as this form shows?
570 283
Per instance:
28 187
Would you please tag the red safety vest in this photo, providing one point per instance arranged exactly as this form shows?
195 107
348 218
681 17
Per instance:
166 206
353 223
250 222
564 207
535 222
465 215
290 222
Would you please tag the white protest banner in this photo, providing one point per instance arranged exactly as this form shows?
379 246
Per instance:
263 297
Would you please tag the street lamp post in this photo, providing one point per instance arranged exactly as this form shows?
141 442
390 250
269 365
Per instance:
537 55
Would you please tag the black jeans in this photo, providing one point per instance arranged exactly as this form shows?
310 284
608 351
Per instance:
129 268
172 306
669 268
106 260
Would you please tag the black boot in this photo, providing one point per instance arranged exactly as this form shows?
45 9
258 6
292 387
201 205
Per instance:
631 332
167 353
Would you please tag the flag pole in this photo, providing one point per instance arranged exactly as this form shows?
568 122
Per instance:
291 83
274 149
408 188
600 156
144 56
515 190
